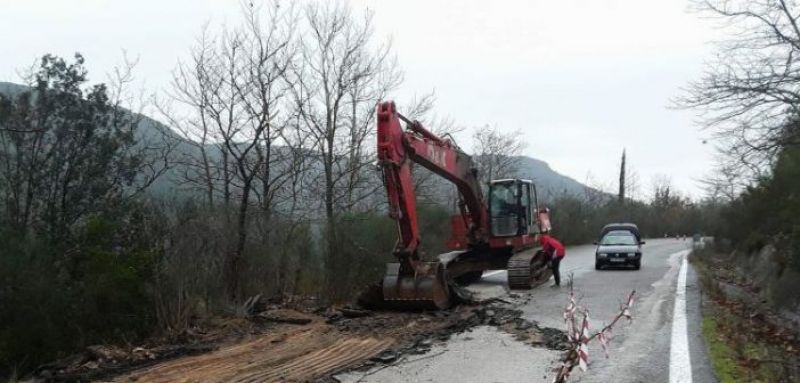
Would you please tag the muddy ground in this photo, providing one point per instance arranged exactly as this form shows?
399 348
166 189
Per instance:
283 344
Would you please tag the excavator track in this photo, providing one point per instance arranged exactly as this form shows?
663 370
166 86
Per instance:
528 269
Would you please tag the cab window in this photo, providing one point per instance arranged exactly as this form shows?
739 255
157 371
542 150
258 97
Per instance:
504 207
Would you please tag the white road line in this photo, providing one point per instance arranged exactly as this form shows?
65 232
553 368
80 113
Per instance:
680 363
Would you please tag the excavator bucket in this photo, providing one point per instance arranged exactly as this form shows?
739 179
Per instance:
426 288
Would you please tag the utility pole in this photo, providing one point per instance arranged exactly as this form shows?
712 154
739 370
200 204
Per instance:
621 194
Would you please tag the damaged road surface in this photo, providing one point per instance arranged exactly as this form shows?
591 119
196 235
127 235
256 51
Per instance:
295 355
639 351
297 350
307 347
505 337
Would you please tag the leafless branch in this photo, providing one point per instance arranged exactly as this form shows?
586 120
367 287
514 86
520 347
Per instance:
580 337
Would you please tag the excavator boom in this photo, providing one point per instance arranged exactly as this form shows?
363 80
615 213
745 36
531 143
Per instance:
398 148
413 281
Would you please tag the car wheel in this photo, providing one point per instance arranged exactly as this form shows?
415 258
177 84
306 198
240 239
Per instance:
598 265
637 265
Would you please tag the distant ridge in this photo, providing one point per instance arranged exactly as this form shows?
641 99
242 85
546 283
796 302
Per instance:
549 182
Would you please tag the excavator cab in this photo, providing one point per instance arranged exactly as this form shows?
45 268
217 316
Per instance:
512 206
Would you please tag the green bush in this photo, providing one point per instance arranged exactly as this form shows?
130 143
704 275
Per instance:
365 242
769 210
60 297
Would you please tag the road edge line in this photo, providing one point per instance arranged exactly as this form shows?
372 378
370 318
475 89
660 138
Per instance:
680 363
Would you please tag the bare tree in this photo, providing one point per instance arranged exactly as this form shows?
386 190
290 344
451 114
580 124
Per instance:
725 182
192 88
337 85
269 47
633 184
209 86
428 186
236 88
750 93
595 192
496 154
662 189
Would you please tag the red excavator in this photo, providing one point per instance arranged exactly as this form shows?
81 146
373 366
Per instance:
493 235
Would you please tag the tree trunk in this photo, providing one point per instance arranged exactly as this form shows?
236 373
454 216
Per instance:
235 259
331 258
226 178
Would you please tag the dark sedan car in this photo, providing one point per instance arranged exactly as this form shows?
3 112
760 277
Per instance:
618 248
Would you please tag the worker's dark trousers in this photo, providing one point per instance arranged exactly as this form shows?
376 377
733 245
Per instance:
554 263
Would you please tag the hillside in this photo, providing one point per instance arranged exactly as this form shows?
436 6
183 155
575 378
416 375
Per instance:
549 182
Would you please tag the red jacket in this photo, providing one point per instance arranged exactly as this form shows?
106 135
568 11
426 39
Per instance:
549 244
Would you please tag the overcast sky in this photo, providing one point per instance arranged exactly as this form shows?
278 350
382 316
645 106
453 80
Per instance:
581 79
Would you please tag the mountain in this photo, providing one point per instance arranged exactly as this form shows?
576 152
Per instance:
9 89
149 132
549 182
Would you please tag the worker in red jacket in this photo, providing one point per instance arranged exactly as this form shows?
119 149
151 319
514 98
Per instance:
555 251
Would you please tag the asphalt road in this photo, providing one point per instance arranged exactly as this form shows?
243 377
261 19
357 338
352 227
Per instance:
661 344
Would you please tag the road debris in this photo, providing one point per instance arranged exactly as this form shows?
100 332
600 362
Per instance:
354 313
287 316
99 362
299 344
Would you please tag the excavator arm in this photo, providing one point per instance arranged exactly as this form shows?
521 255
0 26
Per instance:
397 150
413 282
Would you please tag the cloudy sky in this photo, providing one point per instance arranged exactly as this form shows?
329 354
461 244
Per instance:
581 79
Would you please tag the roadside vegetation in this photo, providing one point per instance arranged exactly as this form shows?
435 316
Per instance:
748 100
722 356
748 341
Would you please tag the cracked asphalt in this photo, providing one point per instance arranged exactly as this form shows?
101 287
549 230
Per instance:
639 351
